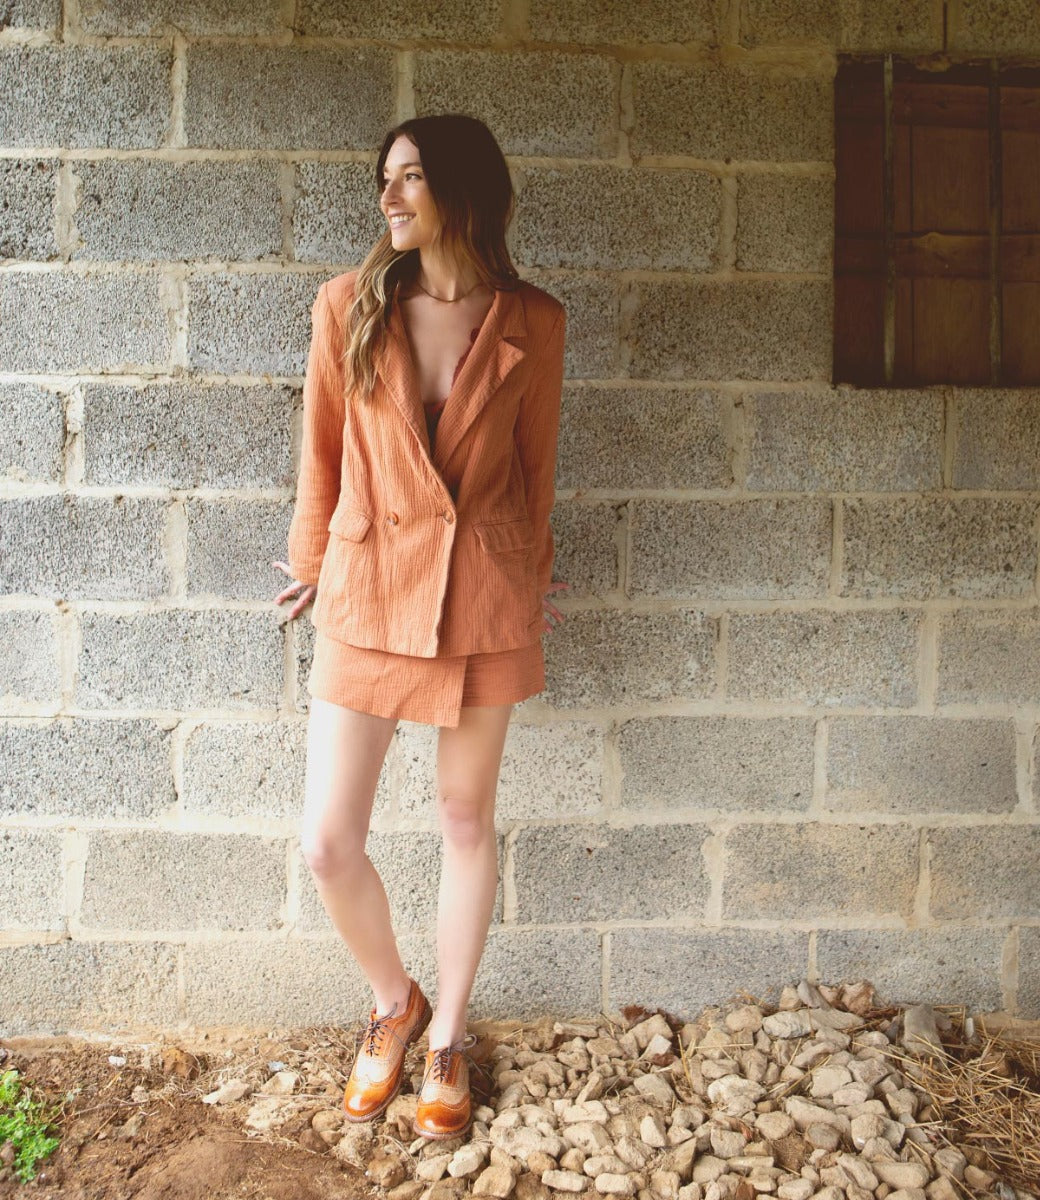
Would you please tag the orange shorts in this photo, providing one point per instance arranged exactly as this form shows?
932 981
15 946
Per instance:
430 690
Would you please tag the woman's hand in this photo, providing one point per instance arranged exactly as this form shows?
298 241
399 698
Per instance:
551 615
305 596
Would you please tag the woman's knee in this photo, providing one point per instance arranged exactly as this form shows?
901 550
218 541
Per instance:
331 855
466 821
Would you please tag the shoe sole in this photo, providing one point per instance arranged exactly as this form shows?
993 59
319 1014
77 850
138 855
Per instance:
415 1035
442 1137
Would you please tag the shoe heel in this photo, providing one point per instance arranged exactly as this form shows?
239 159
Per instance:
424 1020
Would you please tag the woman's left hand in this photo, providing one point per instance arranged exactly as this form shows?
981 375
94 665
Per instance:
551 615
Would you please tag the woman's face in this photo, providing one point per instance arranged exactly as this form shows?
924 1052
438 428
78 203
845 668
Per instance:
406 200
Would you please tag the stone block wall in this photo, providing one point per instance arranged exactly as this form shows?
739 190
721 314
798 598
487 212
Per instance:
791 721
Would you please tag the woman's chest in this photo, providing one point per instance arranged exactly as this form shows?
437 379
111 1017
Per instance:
439 343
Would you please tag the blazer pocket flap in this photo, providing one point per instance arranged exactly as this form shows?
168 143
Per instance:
350 523
506 535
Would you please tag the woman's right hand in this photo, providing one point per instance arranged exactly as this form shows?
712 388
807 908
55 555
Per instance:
303 593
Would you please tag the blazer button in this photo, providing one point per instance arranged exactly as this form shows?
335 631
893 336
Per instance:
392 518
449 516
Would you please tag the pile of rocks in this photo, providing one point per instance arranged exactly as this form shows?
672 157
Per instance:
815 1100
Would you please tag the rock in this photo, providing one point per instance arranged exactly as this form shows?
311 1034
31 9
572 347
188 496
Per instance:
680 1159
822 1137
665 1184
745 1019
537 1162
355 1146
900 1175
827 1080
942 1188
282 1083
735 1095
920 1032
468 1160
495 1181
691 1191
596 1164
908 1194
656 1088
857 1171
228 1092
652 1131
530 1187
386 1170
726 1143
633 1152
795 1189
950 1161
433 1168
774 1125
789 1024
587 1136
645 1031
805 1114
590 1110
707 1169
410 1189
977 1178
609 1184
573 1159
564 1181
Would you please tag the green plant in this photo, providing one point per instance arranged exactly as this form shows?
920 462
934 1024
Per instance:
26 1123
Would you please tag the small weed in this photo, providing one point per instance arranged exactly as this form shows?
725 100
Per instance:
26 1124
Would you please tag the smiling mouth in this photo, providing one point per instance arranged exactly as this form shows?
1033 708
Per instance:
397 221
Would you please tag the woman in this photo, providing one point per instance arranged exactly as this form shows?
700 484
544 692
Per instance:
421 532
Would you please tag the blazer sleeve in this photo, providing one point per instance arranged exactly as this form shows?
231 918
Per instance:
317 489
537 431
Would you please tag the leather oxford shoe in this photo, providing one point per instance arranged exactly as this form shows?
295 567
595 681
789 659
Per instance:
445 1108
375 1077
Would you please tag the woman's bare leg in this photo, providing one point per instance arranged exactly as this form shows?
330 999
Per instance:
345 752
468 761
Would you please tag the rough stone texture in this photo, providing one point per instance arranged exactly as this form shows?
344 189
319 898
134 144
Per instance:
303 645
76 547
281 97
31 868
593 330
188 435
743 549
917 965
28 657
32 433
844 440
716 762
115 97
533 972
39 14
802 872
454 20
989 657
784 223
681 970
979 548
68 986
994 26
173 881
177 210
921 764
78 767
652 21
231 545
586 544
1005 886
998 438
755 329
1029 970
199 18
624 437
27 187
335 216
180 659
848 25
560 871
537 102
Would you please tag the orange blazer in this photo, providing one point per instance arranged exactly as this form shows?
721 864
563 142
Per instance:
431 555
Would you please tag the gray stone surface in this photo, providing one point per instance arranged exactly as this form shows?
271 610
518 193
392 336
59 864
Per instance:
531 973
336 215
27 186
29 14
288 97
115 97
32 433
650 21
988 657
822 657
881 25
179 881
655 872
198 18
80 547
188 435
994 27
231 545
920 764
180 659
593 330
985 872
1029 972
844 440
303 635
743 549
809 871
720 763
77 767
28 657
452 20
785 223
682 970
33 880
998 438
101 987
586 548
140 209
734 329
978 547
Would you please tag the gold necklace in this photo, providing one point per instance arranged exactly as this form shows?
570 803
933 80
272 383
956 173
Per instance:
442 299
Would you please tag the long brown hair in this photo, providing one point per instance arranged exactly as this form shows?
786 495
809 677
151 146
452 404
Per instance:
473 194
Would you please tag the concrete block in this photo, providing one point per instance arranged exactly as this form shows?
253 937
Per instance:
728 112
1029 972
844 440
538 102
336 215
78 767
881 25
785 223
34 883
31 14
809 872
993 26
197 18
985 872
28 657
920 764
997 438
651 21
288 98
562 873
989 657
303 634
139 209
724 764
188 435
116 97
97 987
622 658
682 970
734 329
180 658
622 437
823 657
586 551
618 218
447 20
924 547
83 547
231 545
527 974
49 321
917 966
743 549
174 881
593 331
250 324
27 186
32 434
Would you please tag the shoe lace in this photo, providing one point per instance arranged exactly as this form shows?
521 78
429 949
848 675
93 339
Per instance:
375 1031
441 1064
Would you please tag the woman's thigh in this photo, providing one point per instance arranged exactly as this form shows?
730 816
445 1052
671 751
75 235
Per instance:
468 760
